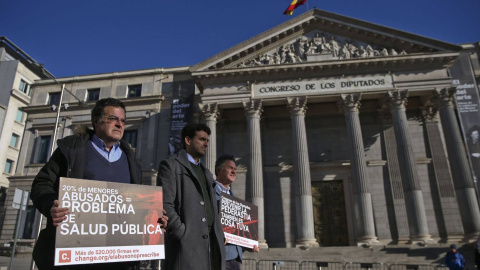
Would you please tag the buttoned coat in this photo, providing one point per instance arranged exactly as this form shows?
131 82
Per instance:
187 242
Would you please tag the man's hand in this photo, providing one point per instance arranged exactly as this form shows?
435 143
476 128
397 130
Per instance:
58 214
254 249
163 220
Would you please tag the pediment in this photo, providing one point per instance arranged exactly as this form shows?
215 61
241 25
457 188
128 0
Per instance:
318 36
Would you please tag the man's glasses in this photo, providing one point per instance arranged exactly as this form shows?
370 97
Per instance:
112 119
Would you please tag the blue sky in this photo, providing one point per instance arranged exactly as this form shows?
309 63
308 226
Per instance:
79 37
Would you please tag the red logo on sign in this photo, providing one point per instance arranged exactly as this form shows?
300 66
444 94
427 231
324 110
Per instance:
65 256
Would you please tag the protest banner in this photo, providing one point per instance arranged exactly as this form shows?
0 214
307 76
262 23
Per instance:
239 221
108 222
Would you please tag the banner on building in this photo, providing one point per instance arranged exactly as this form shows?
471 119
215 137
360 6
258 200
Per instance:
181 114
108 222
467 98
239 221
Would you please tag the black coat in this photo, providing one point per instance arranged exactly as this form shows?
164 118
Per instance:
68 160
187 240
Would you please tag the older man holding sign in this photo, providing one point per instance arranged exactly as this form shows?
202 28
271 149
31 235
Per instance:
101 155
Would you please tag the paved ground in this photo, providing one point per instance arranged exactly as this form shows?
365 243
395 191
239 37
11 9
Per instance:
24 263
19 263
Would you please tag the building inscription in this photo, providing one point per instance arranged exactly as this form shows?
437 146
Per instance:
342 85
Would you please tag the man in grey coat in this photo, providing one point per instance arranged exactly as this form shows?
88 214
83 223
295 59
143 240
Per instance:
194 237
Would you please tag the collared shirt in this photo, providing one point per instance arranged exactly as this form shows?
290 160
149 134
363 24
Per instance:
190 158
113 155
223 188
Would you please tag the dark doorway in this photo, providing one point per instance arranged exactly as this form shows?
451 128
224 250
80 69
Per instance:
329 213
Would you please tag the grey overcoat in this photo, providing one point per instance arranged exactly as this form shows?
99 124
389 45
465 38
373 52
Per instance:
187 242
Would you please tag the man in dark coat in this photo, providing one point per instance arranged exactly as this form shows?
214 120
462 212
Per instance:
89 154
454 260
194 237
226 173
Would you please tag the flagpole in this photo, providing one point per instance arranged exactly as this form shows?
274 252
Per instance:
307 5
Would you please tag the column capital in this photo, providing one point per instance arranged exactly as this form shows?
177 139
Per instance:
297 105
350 102
397 99
210 111
445 96
253 107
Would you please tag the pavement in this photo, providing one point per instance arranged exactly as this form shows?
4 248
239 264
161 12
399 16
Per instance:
24 263
19 263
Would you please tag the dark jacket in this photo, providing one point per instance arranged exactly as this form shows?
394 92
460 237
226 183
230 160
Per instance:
187 242
455 261
68 160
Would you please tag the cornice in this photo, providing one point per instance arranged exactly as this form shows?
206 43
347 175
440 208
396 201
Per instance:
325 68
75 106
114 75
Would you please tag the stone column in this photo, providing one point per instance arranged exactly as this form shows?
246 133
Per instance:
417 218
253 110
451 223
365 225
463 181
304 203
210 113
400 228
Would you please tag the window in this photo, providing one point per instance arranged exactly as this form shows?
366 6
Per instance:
93 94
14 140
8 166
134 90
27 223
43 151
130 136
24 87
19 116
54 98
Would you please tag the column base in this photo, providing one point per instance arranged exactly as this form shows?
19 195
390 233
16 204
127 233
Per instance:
453 239
262 244
470 238
306 242
421 239
367 241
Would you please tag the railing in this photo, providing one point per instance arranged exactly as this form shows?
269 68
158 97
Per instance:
251 264
277 265
309 265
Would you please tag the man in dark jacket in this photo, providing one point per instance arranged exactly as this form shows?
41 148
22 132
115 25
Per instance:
226 173
97 154
194 237
454 259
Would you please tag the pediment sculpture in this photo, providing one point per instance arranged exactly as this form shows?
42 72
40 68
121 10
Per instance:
320 47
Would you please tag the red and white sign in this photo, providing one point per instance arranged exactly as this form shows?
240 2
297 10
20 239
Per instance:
109 222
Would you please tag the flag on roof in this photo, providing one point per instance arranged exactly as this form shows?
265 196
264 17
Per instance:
293 6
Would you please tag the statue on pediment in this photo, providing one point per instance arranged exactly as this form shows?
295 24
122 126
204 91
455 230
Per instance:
384 52
361 53
335 46
320 47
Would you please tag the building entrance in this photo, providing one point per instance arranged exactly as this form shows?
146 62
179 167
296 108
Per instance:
329 213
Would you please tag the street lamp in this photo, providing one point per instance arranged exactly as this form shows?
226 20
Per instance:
52 149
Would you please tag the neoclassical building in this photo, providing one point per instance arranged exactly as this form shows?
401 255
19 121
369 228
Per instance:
345 132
